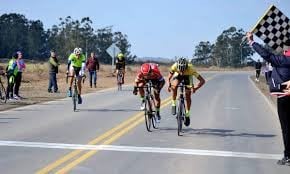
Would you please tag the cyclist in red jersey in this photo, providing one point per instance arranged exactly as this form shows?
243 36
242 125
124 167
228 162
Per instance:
149 71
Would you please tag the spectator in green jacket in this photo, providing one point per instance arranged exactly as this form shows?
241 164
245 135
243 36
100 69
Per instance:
11 71
53 70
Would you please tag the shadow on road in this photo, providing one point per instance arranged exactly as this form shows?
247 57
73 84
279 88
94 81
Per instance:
109 110
219 132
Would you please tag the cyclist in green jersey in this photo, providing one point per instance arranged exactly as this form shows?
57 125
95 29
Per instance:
76 66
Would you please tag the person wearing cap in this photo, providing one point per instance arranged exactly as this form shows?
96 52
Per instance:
93 66
280 76
53 70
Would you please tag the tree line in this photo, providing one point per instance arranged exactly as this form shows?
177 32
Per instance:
30 37
226 51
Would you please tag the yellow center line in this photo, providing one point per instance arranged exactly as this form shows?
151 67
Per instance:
74 153
115 137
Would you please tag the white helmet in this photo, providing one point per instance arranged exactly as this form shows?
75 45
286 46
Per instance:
182 64
77 51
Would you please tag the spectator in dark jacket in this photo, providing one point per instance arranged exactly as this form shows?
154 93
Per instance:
93 66
280 74
258 66
53 70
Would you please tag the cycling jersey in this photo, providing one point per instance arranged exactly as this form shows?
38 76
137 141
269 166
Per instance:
75 61
120 64
154 75
189 71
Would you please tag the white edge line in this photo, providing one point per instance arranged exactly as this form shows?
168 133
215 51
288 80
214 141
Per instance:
274 110
142 149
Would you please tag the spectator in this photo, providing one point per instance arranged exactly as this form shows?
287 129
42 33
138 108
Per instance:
18 78
11 71
268 71
258 66
53 70
93 66
280 74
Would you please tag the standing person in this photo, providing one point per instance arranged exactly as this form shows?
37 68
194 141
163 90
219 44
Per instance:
258 66
183 71
93 66
53 70
150 71
280 74
18 78
121 65
11 72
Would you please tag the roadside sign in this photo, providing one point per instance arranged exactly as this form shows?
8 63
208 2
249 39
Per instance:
113 50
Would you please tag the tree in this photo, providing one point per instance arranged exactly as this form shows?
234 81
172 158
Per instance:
202 53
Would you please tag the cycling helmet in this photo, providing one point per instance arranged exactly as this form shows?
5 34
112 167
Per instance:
182 64
120 56
77 51
146 69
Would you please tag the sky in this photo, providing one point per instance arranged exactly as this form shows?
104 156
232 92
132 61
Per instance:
155 28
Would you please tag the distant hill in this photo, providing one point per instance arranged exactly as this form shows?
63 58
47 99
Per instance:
154 59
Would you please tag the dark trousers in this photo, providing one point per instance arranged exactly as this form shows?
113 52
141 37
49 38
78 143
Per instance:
93 77
258 72
52 82
18 79
10 86
283 106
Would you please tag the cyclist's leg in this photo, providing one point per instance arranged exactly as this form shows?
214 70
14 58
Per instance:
157 90
188 80
141 94
123 76
175 82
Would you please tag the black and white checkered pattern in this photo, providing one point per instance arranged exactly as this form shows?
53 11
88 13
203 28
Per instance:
273 28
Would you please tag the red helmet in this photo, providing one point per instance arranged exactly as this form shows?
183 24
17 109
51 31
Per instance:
146 69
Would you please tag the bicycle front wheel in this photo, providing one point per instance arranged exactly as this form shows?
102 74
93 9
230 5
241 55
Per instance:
148 115
3 97
180 117
74 98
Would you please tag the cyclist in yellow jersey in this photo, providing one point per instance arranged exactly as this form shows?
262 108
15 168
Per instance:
182 70
76 65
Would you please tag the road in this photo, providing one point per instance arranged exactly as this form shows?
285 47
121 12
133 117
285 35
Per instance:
234 129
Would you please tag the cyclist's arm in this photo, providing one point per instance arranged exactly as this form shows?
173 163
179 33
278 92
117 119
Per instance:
68 64
170 75
201 82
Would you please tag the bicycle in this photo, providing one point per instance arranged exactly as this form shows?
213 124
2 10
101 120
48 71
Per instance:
75 90
3 94
181 108
149 111
120 76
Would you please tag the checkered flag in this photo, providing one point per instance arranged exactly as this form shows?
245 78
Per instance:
273 28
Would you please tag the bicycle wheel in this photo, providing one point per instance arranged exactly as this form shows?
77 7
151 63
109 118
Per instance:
180 117
74 98
119 81
3 98
148 115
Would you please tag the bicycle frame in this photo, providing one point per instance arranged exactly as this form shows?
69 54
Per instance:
75 89
181 108
149 111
